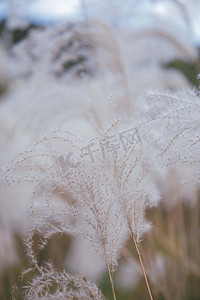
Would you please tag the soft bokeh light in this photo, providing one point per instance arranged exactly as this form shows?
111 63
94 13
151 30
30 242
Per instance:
51 11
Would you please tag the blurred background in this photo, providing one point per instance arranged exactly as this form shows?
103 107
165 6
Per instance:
53 52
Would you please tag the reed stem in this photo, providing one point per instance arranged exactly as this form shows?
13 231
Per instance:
112 283
142 266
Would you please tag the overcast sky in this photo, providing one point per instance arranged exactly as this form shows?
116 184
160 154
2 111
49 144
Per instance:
53 11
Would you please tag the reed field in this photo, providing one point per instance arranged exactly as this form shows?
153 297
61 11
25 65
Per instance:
100 151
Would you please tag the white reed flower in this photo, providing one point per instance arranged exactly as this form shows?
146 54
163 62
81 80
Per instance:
50 284
176 119
107 182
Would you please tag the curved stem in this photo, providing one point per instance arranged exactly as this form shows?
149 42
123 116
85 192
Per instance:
142 266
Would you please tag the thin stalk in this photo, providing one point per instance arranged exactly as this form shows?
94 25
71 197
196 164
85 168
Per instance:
111 281
142 266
